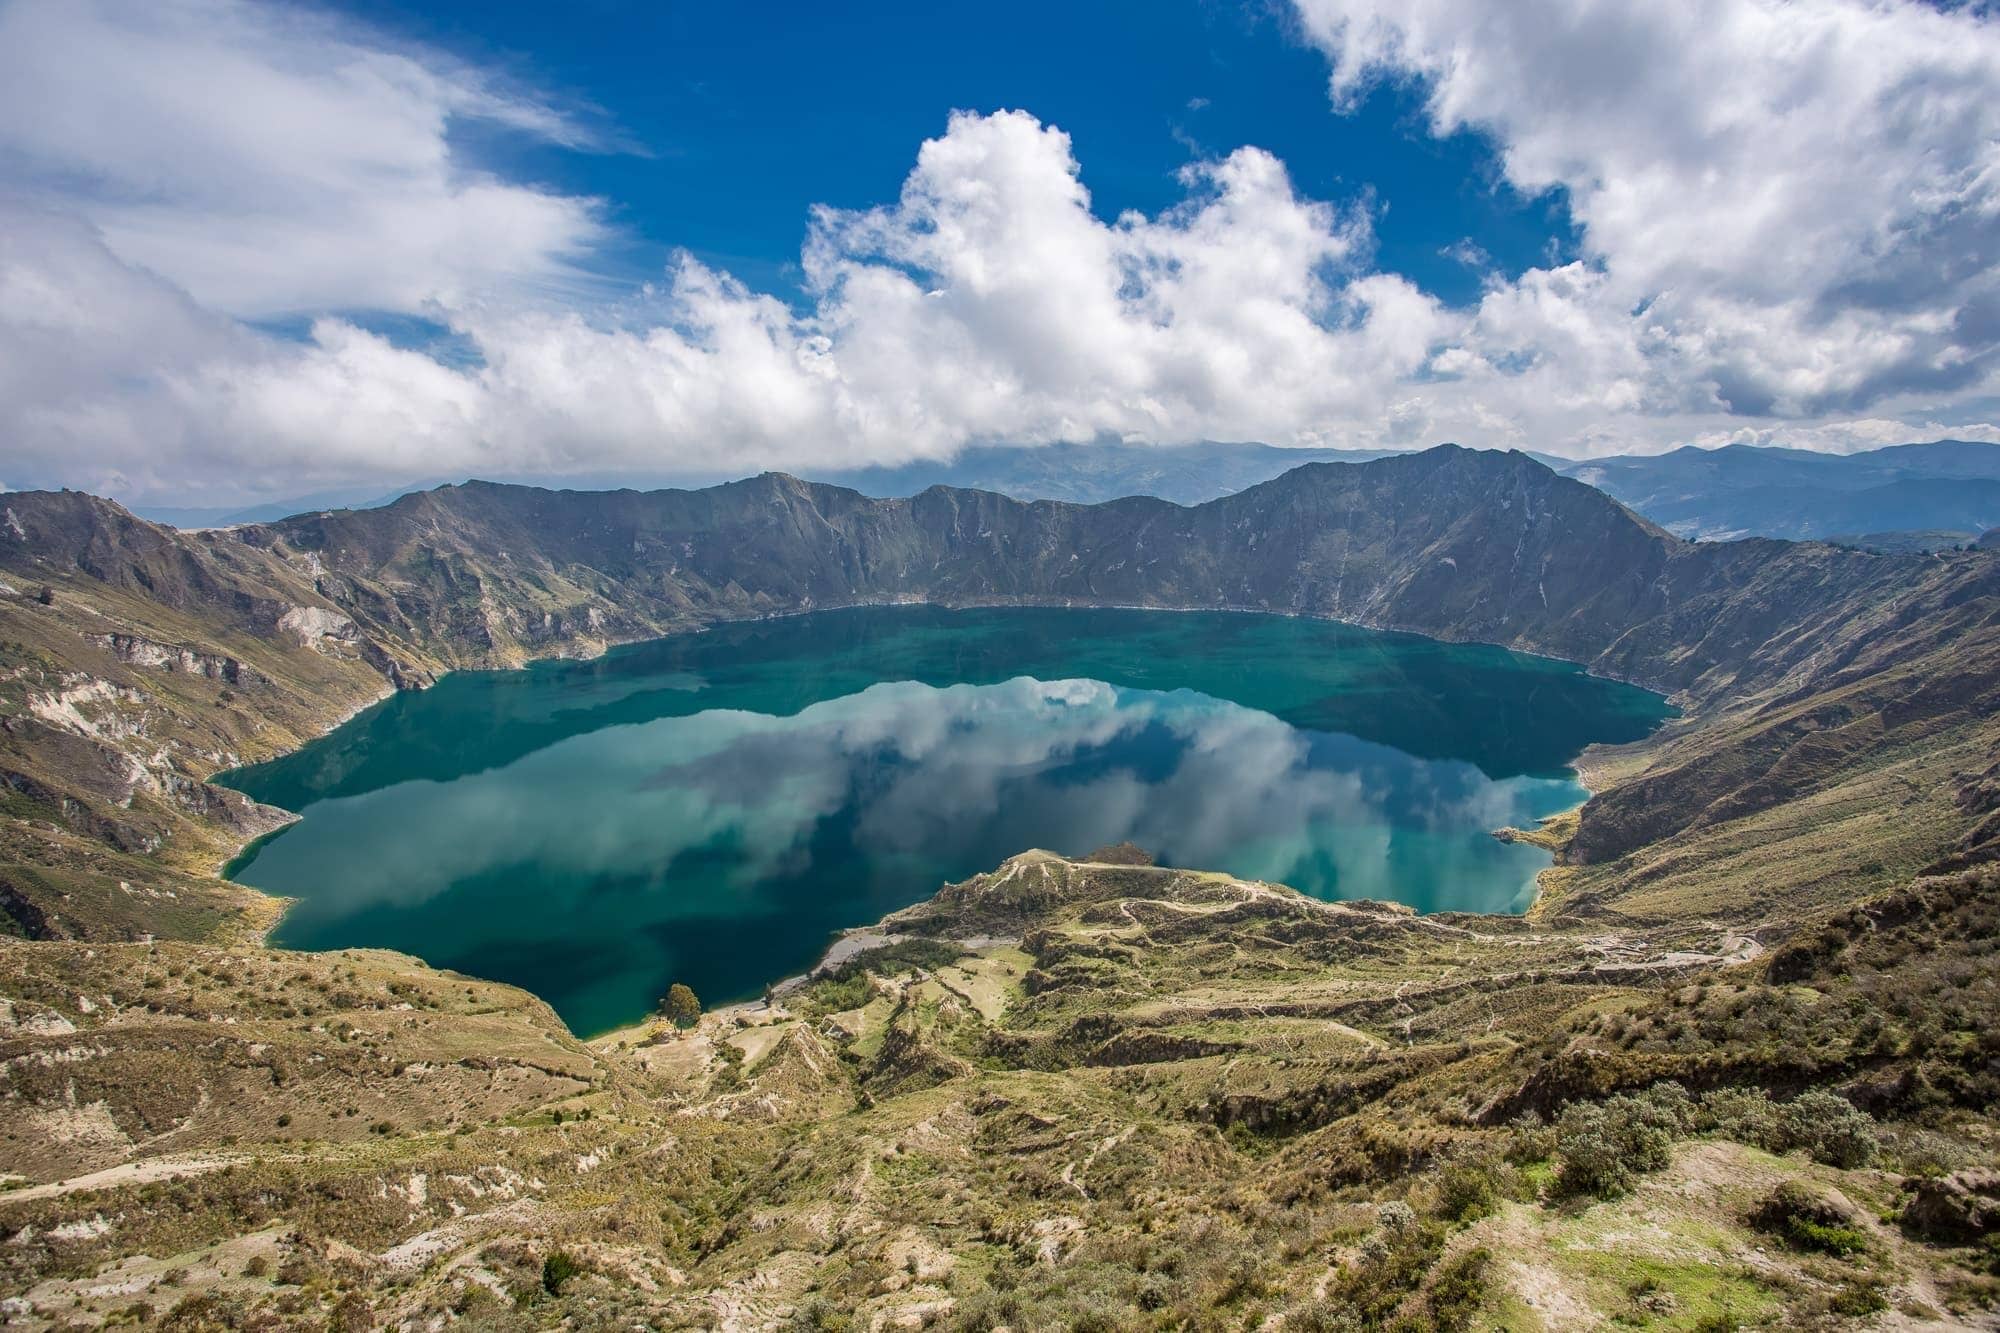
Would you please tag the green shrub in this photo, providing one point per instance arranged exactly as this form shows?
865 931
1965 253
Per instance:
1745 1115
1529 1139
1857 1299
817 1314
1319 1317
1393 1260
1810 1235
558 1269
1832 1129
1924 1152
1665 1106
1466 1191
1153 1291
1606 1146
1458 1290
1592 1151
1095 1314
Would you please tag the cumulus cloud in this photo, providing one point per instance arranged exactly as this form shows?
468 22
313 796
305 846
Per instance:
995 304
1787 209
988 302
1787 215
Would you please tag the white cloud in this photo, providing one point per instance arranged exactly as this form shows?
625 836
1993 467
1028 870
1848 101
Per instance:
270 161
1788 209
988 302
1853 436
1789 216
993 304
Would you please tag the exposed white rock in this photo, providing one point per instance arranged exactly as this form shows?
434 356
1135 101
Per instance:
82 1229
64 708
140 651
313 623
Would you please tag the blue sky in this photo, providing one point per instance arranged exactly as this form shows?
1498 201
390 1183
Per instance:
252 248
744 126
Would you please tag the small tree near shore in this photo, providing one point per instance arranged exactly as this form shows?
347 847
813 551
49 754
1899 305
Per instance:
680 1008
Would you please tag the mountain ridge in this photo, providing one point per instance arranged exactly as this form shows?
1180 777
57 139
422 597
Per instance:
1918 496
1950 486
1325 515
1066 1093
1454 543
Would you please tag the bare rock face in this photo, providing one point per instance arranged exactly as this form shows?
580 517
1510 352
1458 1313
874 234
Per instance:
137 650
1978 797
312 623
1963 1206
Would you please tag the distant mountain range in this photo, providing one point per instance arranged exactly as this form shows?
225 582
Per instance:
1079 473
234 516
1948 490
1903 497
1189 474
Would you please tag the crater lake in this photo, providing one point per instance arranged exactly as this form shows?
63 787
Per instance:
711 807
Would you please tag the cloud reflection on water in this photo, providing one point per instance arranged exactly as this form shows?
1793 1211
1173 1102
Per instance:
917 779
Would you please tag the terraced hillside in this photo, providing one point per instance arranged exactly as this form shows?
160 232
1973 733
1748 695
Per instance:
1086 1095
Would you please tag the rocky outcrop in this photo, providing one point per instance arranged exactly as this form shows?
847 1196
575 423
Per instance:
137 650
310 624
909 1061
1963 1207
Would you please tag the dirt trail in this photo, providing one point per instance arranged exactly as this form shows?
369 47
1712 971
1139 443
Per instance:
132 1173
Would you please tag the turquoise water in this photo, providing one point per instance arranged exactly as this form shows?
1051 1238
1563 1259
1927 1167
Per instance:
708 808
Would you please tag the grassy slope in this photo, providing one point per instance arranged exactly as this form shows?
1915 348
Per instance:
1178 1101
1176 1098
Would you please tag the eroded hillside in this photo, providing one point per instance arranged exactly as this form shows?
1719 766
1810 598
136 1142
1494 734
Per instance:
1808 671
1060 1095
1083 1095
